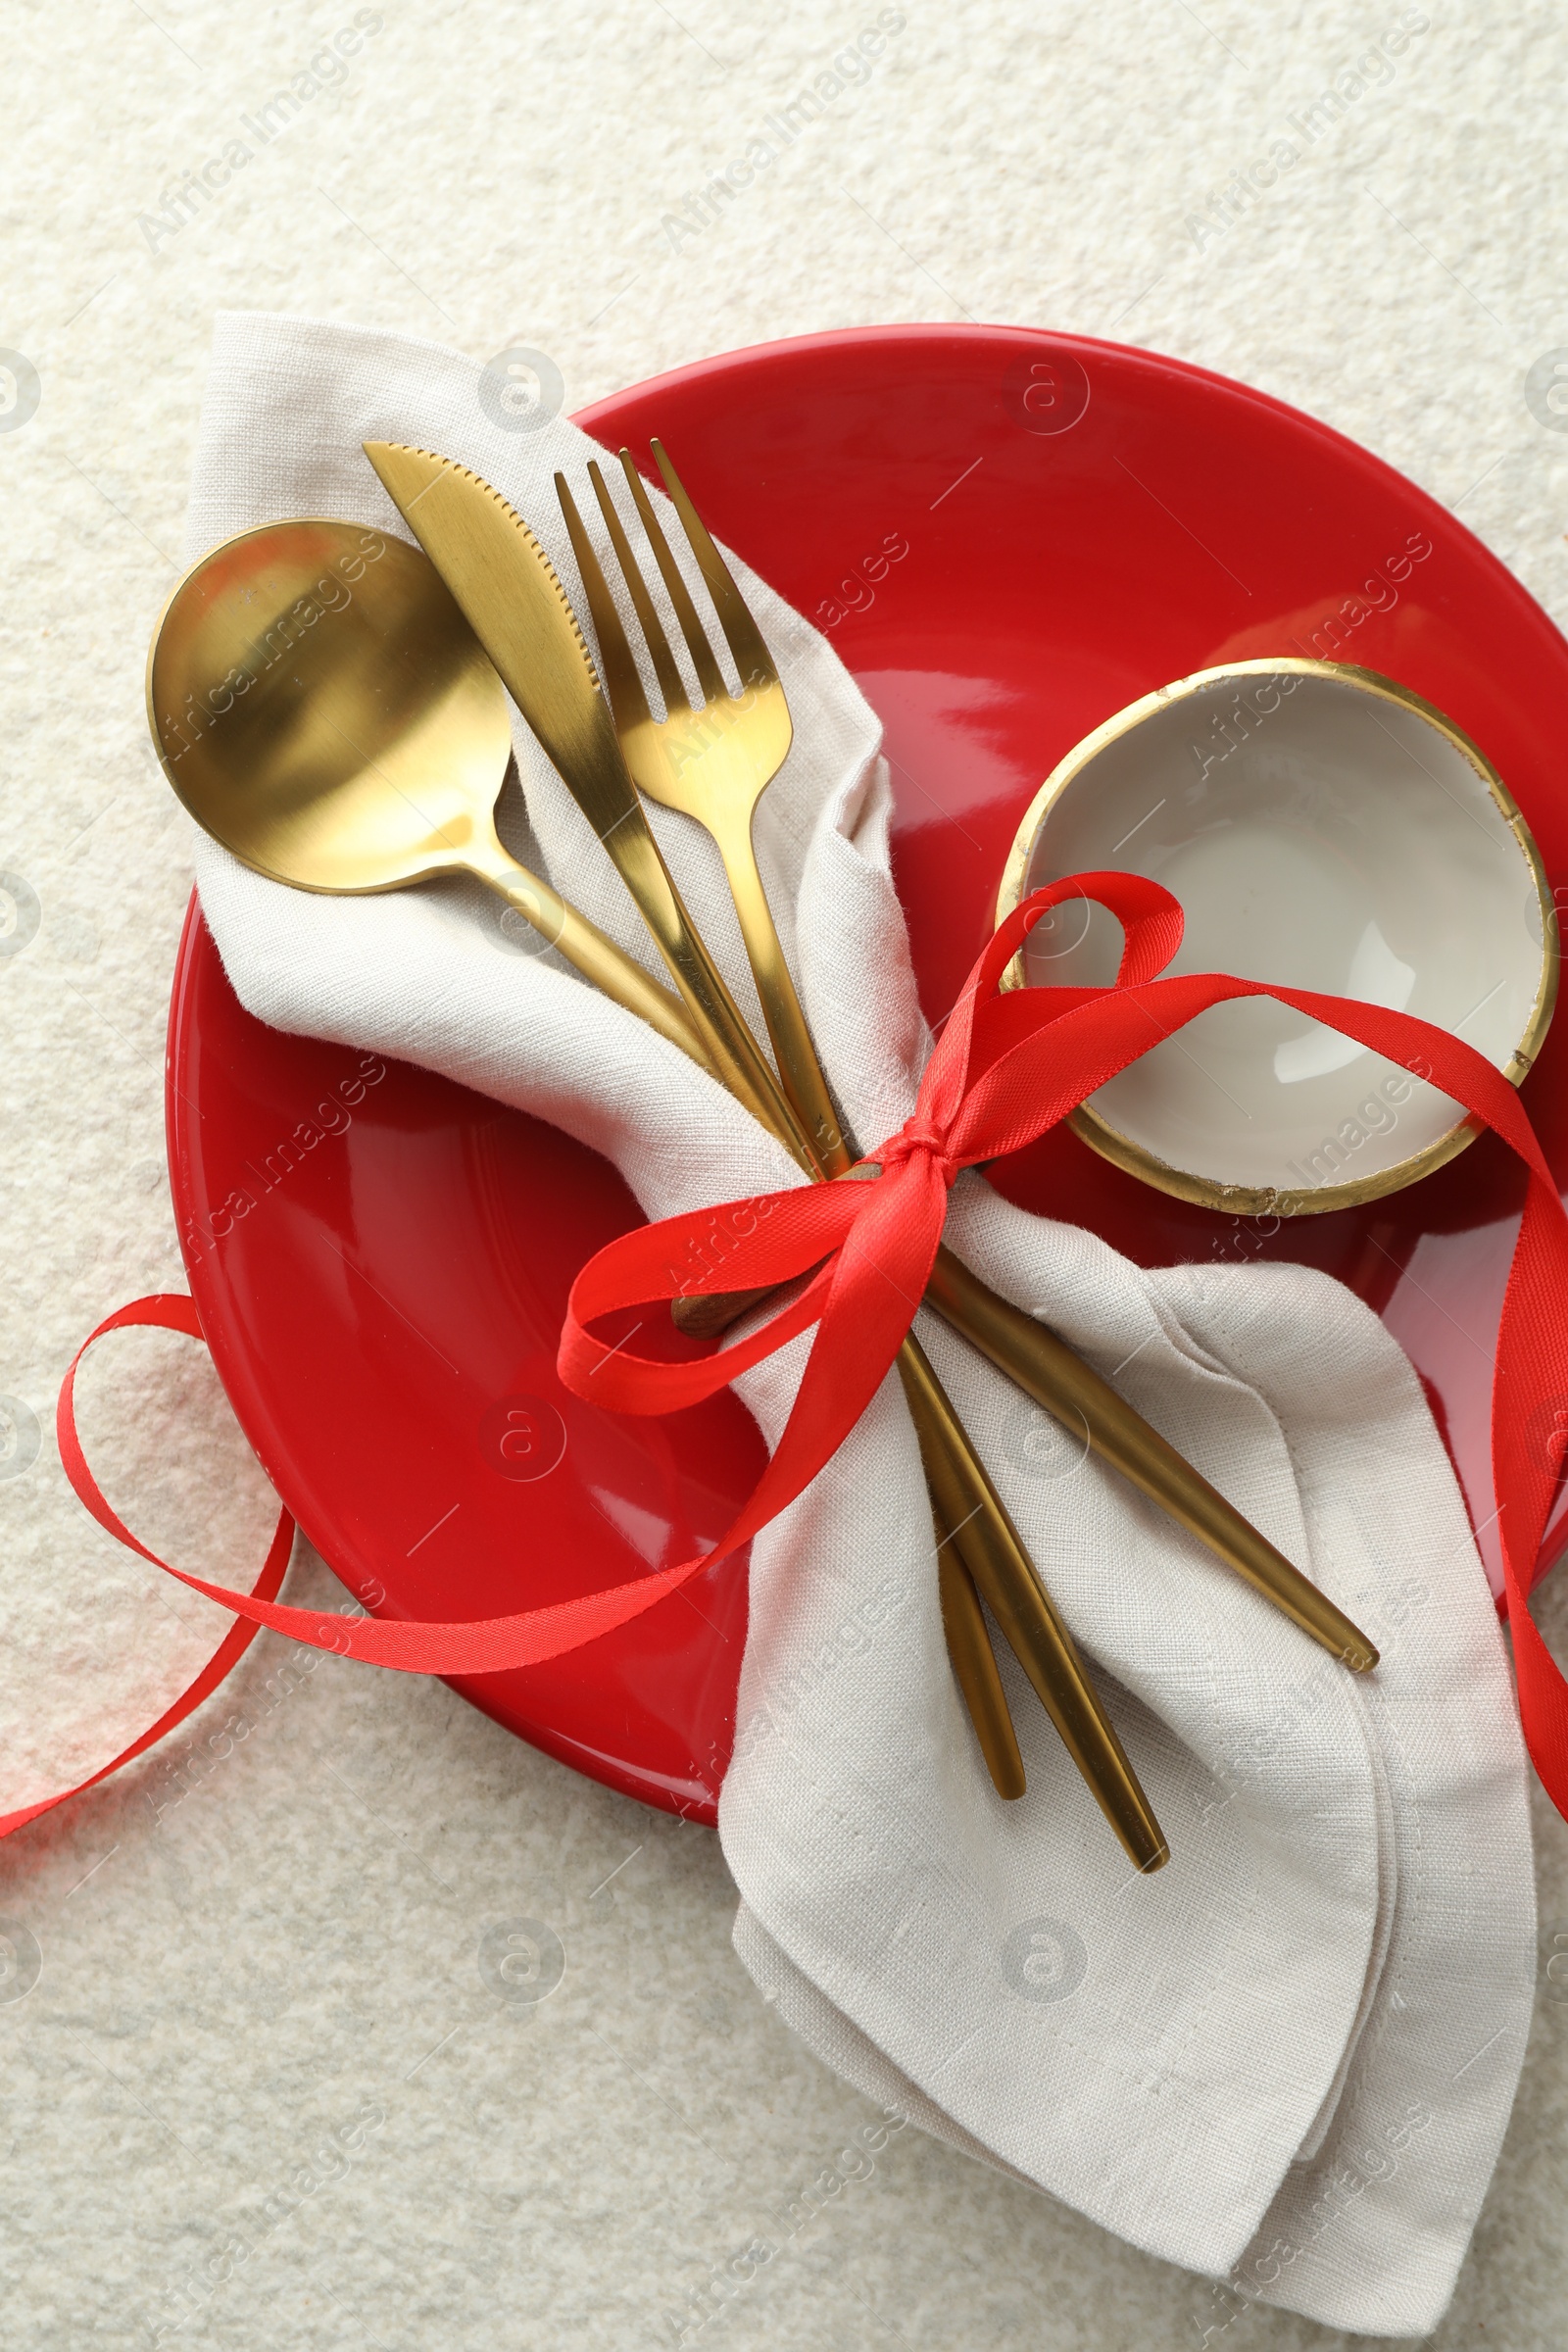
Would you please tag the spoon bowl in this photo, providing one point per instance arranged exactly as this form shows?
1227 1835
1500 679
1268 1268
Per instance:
323 709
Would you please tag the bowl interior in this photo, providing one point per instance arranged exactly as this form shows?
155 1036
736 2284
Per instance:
1325 830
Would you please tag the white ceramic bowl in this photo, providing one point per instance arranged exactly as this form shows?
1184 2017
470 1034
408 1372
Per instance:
1326 828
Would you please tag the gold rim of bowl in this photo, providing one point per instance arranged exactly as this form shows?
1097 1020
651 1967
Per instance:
1241 1199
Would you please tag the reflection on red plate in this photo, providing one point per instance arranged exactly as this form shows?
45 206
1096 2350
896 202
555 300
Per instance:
1007 536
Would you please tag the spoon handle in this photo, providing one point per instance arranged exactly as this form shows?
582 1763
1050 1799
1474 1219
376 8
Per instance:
590 951
1040 1363
1033 1357
1096 1415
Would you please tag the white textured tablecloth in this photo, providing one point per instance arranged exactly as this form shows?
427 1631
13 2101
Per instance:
292 1943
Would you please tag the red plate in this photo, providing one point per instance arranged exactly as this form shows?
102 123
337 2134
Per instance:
1009 536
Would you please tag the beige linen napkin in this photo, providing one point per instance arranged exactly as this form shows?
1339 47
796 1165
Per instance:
1291 2056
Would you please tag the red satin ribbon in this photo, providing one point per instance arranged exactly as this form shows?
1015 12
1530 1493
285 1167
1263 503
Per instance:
1007 1068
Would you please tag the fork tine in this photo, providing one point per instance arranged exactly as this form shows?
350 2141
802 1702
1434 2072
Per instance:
746 642
710 676
623 684
671 685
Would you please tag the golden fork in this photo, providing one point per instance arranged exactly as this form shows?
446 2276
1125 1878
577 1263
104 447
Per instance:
969 1515
732 774
715 765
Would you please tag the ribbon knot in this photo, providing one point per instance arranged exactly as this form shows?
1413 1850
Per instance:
919 1135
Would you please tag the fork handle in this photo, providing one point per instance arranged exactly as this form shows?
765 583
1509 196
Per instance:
726 1042
962 1492
787 1028
973 1660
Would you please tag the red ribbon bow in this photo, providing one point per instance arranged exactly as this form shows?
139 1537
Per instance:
1007 1068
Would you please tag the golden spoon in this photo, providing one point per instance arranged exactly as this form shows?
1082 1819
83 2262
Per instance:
323 709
